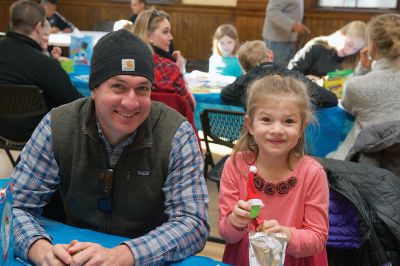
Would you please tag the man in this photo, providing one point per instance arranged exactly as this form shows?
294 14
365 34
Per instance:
282 24
124 165
57 21
137 6
22 60
257 61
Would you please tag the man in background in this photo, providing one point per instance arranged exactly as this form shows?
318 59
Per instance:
282 24
57 21
137 6
23 62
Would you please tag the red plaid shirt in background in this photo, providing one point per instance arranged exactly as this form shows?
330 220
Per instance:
168 78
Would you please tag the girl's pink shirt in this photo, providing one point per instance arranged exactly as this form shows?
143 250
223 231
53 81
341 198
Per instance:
304 209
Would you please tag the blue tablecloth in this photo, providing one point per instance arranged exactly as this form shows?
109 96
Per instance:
62 233
332 127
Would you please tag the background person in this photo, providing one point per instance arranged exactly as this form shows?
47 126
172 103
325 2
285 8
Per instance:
123 164
292 186
23 62
154 27
257 61
330 53
225 44
375 97
137 6
56 20
282 25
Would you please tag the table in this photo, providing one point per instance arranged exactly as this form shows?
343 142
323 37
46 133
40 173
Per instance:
332 127
62 233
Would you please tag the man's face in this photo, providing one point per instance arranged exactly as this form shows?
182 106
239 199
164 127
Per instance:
136 7
122 105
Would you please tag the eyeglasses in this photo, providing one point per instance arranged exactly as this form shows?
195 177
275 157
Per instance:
104 184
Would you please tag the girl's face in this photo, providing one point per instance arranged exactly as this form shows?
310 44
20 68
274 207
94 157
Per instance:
226 45
351 45
276 127
161 37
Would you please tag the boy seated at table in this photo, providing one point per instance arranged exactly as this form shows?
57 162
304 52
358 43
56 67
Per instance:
257 61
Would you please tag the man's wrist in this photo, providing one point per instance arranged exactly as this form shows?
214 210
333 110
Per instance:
127 257
38 250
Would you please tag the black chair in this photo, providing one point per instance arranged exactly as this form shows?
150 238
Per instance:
219 127
21 109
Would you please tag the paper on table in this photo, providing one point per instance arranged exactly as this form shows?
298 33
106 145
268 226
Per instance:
203 82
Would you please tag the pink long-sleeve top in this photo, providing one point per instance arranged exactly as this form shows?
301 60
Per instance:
304 209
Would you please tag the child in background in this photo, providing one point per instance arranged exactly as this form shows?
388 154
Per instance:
225 45
292 186
257 61
44 44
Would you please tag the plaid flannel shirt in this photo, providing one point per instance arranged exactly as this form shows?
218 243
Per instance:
36 178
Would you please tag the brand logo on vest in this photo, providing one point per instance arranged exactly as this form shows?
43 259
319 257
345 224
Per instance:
142 172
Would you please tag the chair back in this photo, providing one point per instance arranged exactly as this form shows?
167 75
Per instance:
21 109
177 102
221 127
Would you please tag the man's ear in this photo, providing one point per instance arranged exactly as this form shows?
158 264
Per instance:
248 124
39 27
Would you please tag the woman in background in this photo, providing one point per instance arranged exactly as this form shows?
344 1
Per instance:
154 27
375 97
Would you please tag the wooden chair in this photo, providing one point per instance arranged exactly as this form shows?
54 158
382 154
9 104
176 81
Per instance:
21 109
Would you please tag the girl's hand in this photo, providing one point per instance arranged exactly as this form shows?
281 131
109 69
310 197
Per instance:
272 226
180 61
239 218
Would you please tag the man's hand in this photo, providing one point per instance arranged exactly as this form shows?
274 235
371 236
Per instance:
42 252
87 253
300 28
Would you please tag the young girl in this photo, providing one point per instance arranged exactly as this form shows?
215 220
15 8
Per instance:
225 45
292 186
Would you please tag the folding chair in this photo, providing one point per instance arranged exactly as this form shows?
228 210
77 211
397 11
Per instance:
219 127
21 109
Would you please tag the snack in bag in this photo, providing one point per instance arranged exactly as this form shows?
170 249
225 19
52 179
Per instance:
267 249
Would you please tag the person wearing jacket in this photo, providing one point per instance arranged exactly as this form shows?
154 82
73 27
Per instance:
22 60
257 61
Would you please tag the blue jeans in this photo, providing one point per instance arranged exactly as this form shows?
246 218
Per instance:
283 51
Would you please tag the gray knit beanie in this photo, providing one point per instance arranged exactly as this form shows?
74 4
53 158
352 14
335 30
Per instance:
120 53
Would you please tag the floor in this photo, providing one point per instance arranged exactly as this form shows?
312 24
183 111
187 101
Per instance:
212 249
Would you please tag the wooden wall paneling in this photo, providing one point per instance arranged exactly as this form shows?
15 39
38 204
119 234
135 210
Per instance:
4 14
193 27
